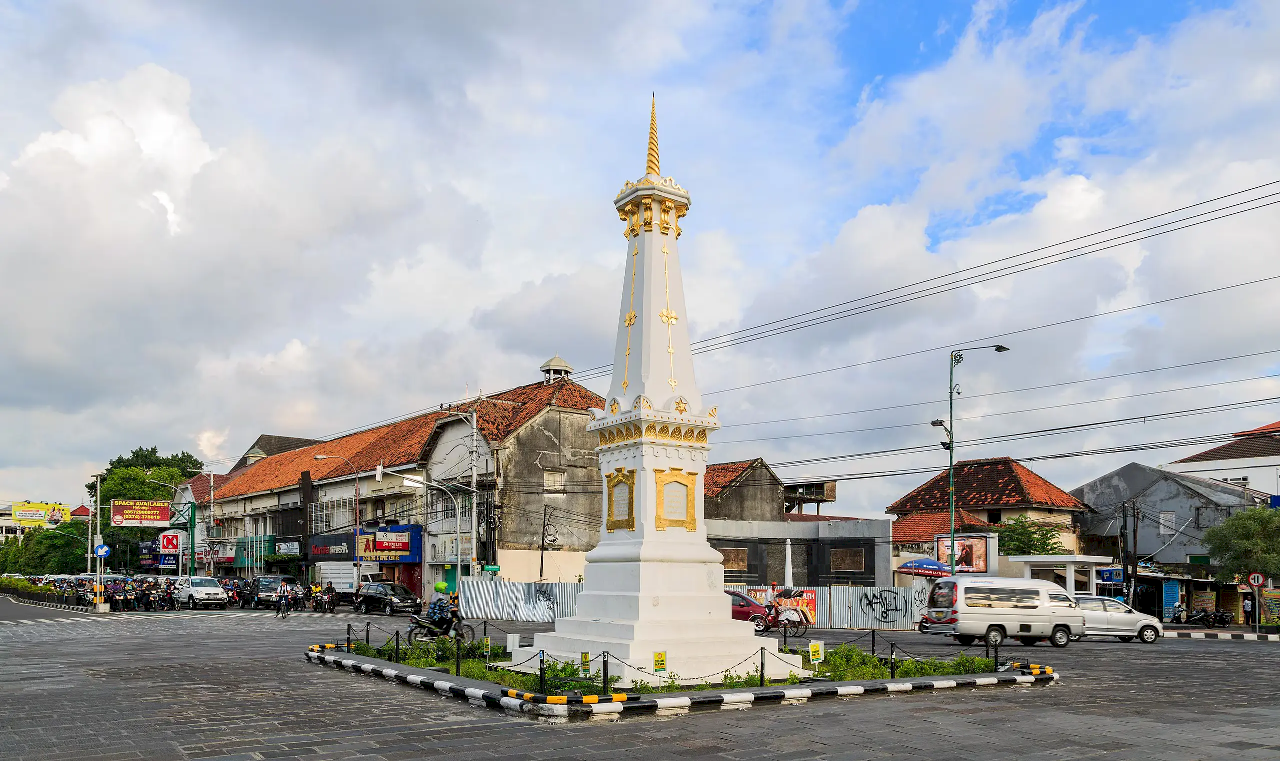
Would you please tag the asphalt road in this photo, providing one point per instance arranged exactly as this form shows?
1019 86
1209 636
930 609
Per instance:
234 685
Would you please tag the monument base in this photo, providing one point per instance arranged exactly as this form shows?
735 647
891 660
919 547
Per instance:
693 654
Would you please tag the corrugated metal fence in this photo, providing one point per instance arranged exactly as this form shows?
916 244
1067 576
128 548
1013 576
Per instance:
837 607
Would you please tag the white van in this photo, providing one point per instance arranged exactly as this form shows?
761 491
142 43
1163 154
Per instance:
342 576
996 608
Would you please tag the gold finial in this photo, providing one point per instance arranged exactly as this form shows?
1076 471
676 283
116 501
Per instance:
651 167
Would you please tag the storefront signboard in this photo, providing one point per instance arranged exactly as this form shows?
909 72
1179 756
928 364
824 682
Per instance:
140 512
292 547
369 551
328 548
391 540
1204 600
1269 606
1172 594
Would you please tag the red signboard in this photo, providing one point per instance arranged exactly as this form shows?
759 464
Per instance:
140 512
170 542
391 540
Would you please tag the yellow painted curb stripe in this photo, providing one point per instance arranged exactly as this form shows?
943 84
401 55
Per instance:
590 698
557 699
619 697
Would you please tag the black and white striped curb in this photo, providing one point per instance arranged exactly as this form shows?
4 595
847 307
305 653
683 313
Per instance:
560 708
56 606
1225 635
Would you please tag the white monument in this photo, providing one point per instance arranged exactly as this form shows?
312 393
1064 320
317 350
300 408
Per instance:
654 584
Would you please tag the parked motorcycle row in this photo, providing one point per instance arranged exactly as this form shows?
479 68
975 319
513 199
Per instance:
1209 619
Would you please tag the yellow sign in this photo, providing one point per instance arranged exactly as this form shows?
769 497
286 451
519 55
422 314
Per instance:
586 664
816 652
660 662
32 514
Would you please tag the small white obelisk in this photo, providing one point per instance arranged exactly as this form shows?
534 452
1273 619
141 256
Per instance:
654 584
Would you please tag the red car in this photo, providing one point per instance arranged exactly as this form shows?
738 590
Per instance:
746 609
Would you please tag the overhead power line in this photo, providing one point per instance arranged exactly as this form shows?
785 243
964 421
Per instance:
1006 412
1035 434
977 274
994 336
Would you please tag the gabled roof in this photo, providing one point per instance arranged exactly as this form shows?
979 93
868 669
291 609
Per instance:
402 442
200 485
1242 448
921 527
983 484
1268 428
266 444
719 476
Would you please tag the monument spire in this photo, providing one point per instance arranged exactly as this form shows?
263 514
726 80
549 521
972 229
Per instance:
651 166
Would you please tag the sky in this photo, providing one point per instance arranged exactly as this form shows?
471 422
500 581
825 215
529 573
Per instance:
222 219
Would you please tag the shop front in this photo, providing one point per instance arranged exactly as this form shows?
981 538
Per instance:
398 552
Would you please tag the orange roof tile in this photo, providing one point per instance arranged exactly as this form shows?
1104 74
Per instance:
922 527
995 482
401 443
1268 428
722 474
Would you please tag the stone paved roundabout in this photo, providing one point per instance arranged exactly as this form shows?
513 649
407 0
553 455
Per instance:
214 685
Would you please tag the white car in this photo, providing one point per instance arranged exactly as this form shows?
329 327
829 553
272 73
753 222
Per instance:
1105 617
200 592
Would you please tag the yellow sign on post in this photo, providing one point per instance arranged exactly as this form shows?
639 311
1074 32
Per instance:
586 664
660 662
816 652
486 648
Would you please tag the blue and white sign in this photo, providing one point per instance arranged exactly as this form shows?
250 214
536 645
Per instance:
167 561
102 550
1172 590
1275 500
1111 575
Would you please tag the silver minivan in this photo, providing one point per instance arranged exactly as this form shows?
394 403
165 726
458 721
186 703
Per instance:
995 608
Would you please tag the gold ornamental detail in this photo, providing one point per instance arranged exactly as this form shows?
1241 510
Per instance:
664 219
621 485
651 430
680 212
681 406
630 319
668 316
676 507
646 205
701 438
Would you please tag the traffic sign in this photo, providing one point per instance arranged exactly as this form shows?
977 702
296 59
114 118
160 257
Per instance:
492 569
1257 579
102 551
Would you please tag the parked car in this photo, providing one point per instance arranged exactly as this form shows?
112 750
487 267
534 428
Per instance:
746 609
200 592
387 598
262 590
994 608
1106 617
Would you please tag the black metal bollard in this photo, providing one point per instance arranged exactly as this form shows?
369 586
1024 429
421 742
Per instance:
784 636
348 638
986 648
542 672
997 656
873 641
893 661
762 667
366 632
397 646
486 627
604 666
457 656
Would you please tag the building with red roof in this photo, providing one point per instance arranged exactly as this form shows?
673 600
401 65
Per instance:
1251 459
991 491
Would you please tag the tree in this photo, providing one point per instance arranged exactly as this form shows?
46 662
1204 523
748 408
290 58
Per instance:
1247 541
1023 536
41 551
146 459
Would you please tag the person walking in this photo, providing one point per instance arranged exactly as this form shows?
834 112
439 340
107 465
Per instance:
1247 605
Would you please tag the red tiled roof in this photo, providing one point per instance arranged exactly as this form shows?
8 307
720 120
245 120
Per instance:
1268 428
401 443
995 482
720 475
1243 448
922 527
81 511
200 485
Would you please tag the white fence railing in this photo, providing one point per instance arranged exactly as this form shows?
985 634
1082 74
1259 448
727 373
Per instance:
836 607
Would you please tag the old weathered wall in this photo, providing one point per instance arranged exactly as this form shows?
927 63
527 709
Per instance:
555 442
756 497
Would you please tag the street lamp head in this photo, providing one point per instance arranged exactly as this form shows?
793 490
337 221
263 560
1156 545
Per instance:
322 457
1001 348
937 423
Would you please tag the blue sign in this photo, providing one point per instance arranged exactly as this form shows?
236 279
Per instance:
168 561
1111 575
1275 500
102 550
1172 593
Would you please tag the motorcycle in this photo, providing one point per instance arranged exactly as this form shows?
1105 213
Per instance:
422 628
323 602
1223 618
1179 615
1203 618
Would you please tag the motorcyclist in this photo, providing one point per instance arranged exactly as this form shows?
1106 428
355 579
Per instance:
440 607
282 600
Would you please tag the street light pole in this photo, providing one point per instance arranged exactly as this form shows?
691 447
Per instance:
957 356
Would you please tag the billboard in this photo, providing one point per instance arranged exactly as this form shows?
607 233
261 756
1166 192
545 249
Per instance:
971 552
43 514
391 540
368 549
140 512
806 600
172 542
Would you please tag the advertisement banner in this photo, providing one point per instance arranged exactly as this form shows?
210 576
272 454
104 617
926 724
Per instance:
171 542
806 601
368 549
140 512
1172 595
1269 607
331 548
167 561
1204 600
40 514
971 552
290 547
223 553
391 540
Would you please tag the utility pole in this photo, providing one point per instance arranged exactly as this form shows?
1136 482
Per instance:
475 454
543 552
1132 578
1124 544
